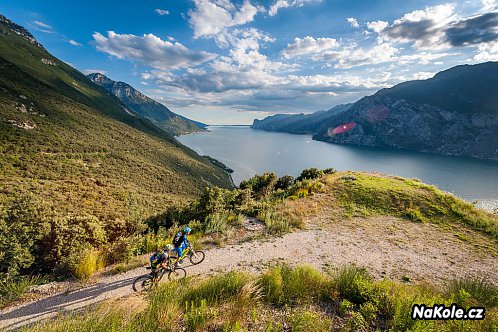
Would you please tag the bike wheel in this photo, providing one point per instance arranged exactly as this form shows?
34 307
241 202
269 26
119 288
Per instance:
197 257
177 274
143 283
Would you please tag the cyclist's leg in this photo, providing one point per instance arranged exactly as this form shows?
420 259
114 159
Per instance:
182 249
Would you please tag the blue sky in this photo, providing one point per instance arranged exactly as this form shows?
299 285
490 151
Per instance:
230 61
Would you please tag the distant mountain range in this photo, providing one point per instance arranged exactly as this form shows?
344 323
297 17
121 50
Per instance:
147 107
71 144
453 113
306 124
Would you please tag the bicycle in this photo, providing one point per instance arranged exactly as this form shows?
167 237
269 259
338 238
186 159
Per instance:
147 281
195 256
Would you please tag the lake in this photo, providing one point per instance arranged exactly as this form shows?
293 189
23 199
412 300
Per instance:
248 152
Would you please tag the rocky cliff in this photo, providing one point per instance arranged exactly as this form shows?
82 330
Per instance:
453 113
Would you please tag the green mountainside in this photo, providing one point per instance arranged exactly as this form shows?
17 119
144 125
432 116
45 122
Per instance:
158 113
68 143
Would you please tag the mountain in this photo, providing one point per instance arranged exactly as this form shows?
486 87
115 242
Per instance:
147 107
453 113
299 123
69 144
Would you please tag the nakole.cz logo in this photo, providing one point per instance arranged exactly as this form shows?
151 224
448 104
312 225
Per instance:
441 312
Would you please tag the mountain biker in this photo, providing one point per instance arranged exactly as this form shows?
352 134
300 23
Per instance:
160 258
180 241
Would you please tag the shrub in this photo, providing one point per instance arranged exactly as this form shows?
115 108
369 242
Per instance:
22 226
216 223
276 223
284 182
356 323
261 186
310 174
345 306
70 235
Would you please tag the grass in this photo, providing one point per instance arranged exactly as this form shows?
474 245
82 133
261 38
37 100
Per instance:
474 290
301 298
90 262
372 194
11 289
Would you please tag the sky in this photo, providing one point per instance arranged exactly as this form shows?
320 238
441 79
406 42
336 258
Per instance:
231 61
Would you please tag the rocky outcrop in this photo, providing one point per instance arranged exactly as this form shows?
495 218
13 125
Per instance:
382 121
21 31
453 113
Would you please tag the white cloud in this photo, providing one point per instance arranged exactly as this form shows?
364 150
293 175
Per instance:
211 17
487 52
74 42
161 11
424 28
377 26
309 45
41 26
353 22
348 58
279 4
150 50
488 5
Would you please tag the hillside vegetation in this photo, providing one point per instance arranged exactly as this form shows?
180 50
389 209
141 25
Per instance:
79 171
286 299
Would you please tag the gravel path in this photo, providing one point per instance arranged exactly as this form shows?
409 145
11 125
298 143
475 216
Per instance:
387 247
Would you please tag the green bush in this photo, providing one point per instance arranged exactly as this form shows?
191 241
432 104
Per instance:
261 186
216 223
284 182
22 226
310 174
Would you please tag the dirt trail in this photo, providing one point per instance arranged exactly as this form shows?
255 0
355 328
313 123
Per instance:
387 247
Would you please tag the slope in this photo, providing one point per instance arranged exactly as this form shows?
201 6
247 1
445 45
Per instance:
453 113
68 144
161 116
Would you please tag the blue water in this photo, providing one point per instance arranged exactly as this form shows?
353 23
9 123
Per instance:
249 152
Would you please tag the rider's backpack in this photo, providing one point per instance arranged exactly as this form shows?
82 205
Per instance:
178 239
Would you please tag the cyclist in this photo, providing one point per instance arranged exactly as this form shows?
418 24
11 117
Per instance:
160 258
180 241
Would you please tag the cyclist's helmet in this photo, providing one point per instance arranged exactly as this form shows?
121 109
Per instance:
187 230
168 247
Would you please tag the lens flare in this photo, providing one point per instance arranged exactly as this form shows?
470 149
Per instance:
341 129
